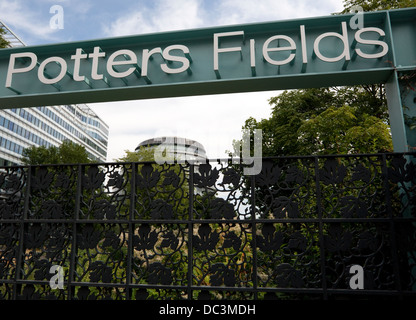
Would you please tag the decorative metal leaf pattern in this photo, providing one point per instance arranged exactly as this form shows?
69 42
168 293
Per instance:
222 255
125 231
159 254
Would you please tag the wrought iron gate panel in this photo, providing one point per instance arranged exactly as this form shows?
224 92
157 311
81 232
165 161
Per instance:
207 231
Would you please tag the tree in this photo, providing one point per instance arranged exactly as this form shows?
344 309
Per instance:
143 154
70 152
342 131
374 5
324 121
3 42
67 153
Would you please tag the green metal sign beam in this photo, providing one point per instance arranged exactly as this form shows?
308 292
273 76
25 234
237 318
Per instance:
313 52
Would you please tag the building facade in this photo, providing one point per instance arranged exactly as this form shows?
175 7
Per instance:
48 126
175 149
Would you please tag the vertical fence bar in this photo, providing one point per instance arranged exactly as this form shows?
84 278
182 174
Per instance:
131 230
23 219
72 265
190 230
321 227
254 231
393 245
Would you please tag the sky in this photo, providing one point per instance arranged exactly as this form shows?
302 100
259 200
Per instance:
213 120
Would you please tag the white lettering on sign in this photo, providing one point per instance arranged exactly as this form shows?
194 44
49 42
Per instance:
382 44
291 47
344 38
147 55
12 70
185 62
77 63
112 63
42 67
174 59
97 53
217 48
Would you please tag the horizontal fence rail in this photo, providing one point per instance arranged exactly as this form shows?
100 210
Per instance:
126 231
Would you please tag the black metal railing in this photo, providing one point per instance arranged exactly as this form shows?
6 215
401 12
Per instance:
207 231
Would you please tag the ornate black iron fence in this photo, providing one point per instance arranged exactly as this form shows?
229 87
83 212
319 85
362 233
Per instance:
185 231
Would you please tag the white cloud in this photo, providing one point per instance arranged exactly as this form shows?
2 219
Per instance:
23 17
165 15
244 11
213 120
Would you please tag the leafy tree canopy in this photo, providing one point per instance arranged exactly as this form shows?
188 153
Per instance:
3 42
324 121
143 154
67 153
374 5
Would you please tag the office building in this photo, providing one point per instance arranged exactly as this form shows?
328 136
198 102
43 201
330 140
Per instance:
175 149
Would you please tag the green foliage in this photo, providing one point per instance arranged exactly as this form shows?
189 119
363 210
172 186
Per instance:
143 154
374 5
325 121
70 152
40 155
67 153
340 131
3 42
